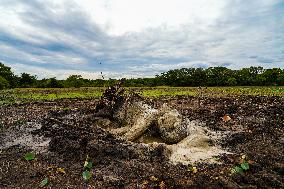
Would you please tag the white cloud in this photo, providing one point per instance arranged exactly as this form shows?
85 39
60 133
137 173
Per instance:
41 73
134 38
122 16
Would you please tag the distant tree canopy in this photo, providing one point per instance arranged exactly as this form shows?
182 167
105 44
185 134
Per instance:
8 75
74 81
27 80
222 76
50 83
184 77
4 84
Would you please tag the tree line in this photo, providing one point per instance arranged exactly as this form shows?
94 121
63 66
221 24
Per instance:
184 77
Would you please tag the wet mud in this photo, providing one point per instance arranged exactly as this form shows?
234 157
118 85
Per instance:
63 133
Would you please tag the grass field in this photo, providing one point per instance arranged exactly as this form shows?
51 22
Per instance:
38 94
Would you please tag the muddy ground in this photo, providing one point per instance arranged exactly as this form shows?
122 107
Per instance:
63 133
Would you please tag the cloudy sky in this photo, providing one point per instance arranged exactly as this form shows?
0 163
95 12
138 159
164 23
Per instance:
138 38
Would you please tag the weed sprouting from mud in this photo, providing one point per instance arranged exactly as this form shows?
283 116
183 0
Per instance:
44 182
88 165
30 156
192 169
242 167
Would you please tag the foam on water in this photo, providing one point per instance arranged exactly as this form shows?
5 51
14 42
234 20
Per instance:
199 145
21 135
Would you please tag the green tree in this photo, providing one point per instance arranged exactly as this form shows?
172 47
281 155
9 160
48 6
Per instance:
74 81
27 80
260 80
243 76
54 83
250 76
271 75
4 84
232 81
218 76
280 78
8 75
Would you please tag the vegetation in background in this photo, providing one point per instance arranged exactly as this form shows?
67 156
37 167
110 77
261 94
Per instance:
18 95
4 84
185 77
27 80
7 78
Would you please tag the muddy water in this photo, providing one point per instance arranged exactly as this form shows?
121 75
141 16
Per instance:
22 135
200 144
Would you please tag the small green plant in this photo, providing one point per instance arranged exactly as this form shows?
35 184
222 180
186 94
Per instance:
30 156
88 165
237 169
192 169
66 109
87 175
243 166
44 182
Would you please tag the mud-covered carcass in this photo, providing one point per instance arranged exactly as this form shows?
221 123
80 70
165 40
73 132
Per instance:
130 117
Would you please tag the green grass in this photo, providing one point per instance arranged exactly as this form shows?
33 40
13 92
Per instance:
210 91
164 91
35 94
12 96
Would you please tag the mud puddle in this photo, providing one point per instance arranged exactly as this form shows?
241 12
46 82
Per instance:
201 145
22 135
186 141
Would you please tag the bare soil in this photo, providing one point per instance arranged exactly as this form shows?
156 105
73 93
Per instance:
64 132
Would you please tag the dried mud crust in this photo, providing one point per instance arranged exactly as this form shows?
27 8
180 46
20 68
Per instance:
256 122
